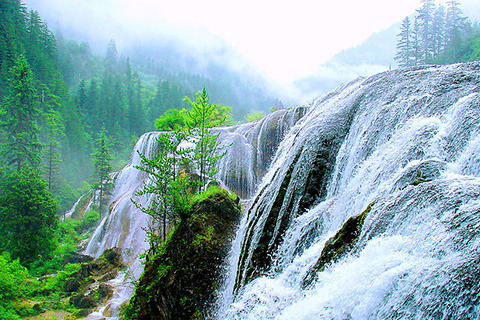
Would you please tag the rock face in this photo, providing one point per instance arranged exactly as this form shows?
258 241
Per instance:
181 280
338 245
88 287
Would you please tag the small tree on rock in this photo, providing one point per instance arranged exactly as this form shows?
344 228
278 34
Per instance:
201 119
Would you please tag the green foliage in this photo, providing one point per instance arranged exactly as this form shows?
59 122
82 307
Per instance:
14 284
201 118
438 35
210 192
27 216
168 188
53 134
172 120
103 168
70 233
255 115
19 115
55 283
172 172
182 277
203 114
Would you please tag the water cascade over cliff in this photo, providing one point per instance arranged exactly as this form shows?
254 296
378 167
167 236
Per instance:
251 147
371 207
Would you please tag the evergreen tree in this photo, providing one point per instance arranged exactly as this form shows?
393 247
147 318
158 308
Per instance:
19 118
103 168
404 46
438 29
111 57
417 52
41 49
27 215
81 99
455 23
54 131
95 117
12 36
201 118
161 170
425 16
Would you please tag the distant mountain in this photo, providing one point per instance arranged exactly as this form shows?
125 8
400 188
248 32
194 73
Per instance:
372 56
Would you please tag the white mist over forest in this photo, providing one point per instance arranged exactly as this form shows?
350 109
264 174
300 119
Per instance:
288 46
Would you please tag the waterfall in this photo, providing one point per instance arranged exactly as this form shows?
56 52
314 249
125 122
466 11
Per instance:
402 146
241 168
251 147
124 225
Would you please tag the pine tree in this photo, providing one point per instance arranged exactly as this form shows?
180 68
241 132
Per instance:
94 119
404 46
425 17
201 118
417 52
20 111
103 168
54 131
81 99
111 57
438 30
12 37
27 215
455 23
161 175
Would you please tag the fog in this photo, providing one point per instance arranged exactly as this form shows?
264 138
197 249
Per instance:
282 45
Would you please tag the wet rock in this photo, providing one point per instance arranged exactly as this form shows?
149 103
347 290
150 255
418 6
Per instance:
109 276
79 258
425 171
338 245
37 307
181 281
104 292
113 256
72 285
82 301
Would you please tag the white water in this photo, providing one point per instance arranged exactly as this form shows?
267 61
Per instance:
251 147
69 213
418 252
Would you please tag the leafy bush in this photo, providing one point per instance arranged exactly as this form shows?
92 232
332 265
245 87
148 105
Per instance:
70 233
210 192
14 284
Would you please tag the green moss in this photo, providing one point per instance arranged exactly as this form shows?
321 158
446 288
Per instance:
211 191
179 282
338 245
420 179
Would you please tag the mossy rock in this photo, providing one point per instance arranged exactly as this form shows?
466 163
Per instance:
338 245
181 280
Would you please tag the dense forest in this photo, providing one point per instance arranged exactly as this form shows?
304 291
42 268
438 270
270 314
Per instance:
438 35
74 93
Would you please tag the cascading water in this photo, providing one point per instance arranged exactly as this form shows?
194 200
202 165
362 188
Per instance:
125 225
240 170
251 147
405 145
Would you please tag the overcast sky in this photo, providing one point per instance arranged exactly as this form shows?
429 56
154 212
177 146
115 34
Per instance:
284 39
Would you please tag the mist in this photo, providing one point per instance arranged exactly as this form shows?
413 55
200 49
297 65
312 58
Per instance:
183 38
